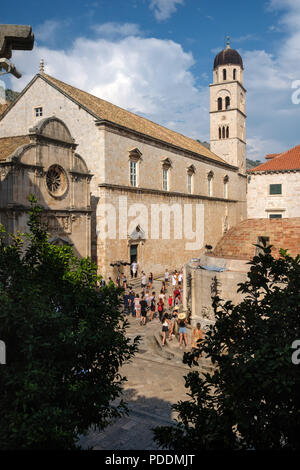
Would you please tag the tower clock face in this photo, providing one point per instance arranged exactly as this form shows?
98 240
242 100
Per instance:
56 181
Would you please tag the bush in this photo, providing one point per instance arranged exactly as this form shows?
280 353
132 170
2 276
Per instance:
65 342
252 399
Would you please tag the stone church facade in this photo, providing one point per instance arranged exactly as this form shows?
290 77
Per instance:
156 196
44 163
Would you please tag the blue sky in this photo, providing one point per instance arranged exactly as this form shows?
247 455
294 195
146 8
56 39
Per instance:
155 57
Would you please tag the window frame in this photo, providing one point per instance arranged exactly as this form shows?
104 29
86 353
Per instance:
165 178
133 175
35 109
210 177
273 185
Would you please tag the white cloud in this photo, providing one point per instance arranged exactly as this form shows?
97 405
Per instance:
163 9
272 124
148 76
46 31
114 29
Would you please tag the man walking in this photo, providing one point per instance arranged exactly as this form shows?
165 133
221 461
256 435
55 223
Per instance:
133 269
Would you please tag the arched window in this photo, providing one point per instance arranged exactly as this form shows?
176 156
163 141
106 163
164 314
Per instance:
234 74
165 179
223 132
133 173
190 179
135 156
224 74
227 102
220 133
227 132
166 165
220 104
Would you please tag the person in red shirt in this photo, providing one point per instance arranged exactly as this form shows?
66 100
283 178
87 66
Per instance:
170 300
176 296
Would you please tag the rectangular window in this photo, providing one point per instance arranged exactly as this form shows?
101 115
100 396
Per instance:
189 184
133 173
275 189
165 179
209 182
38 111
225 190
275 216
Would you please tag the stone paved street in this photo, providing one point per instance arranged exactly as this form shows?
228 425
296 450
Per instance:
155 381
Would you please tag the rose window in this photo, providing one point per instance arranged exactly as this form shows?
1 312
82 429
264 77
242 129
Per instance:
56 180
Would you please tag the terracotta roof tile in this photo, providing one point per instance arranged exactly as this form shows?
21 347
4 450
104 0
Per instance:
271 155
9 144
289 160
110 112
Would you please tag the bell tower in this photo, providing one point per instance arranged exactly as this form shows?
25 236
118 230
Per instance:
228 108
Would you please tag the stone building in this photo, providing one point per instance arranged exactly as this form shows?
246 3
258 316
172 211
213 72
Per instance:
274 186
43 162
157 196
228 108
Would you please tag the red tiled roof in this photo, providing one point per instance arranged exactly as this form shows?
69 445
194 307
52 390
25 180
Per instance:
271 155
289 160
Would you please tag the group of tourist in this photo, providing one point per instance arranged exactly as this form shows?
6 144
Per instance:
146 306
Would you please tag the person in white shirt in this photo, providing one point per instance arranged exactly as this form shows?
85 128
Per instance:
167 277
173 280
133 269
144 280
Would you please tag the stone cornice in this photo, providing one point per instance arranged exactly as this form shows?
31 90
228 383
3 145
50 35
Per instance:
13 207
160 192
228 138
265 172
227 82
227 110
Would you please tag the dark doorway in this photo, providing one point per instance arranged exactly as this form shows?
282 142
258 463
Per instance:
133 253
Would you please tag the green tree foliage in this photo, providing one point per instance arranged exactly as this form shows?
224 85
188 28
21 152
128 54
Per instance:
252 399
65 342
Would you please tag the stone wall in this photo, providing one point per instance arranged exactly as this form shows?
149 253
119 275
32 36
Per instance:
160 249
202 282
260 204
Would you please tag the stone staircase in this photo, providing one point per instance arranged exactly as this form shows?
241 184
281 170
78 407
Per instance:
150 347
135 283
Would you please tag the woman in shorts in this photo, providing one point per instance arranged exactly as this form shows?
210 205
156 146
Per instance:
165 328
182 329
